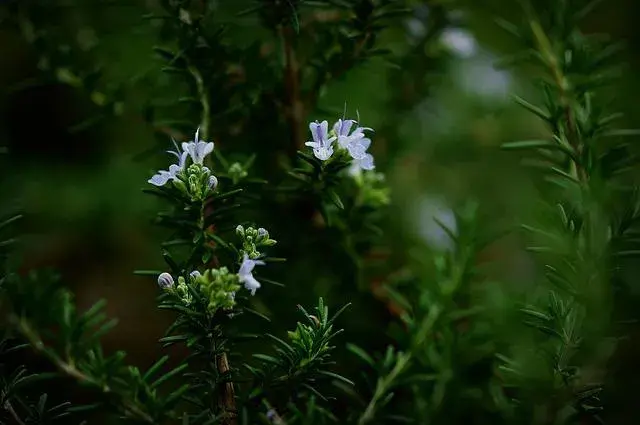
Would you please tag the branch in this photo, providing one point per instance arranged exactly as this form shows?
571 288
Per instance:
561 81
227 401
68 368
294 110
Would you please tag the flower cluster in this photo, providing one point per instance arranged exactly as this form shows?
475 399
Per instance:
354 142
195 180
218 286
252 239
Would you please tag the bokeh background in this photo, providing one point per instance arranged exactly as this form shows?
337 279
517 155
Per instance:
78 162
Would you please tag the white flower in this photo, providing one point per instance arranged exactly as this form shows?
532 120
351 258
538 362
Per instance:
198 149
163 176
165 280
322 143
245 274
195 274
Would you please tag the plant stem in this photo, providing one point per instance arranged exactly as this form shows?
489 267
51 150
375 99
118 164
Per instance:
562 83
294 106
383 386
204 101
227 400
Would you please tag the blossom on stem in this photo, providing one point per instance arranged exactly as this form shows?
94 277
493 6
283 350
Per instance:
245 274
198 149
322 143
357 145
163 176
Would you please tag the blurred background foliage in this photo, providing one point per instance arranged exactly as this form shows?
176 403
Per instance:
81 150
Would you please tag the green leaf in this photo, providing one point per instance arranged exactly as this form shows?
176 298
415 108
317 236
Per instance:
168 375
532 108
333 196
156 366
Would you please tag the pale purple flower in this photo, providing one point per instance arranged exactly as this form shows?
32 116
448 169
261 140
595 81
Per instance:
342 128
163 176
195 274
198 149
322 143
165 280
245 274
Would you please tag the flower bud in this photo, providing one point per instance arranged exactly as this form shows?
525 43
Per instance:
213 182
240 230
195 274
165 280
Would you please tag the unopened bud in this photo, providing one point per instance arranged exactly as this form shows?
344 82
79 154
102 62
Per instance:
165 280
213 182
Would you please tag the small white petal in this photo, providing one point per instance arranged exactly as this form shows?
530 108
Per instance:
323 153
366 163
160 179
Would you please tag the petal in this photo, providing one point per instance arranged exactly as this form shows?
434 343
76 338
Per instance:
324 127
346 127
356 150
313 127
183 159
366 163
312 144
323 153
343 141
174 170
251 284
160 179
365 142
337 127
208 148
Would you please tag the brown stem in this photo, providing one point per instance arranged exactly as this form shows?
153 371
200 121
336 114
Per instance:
294 110
227 400
227 397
